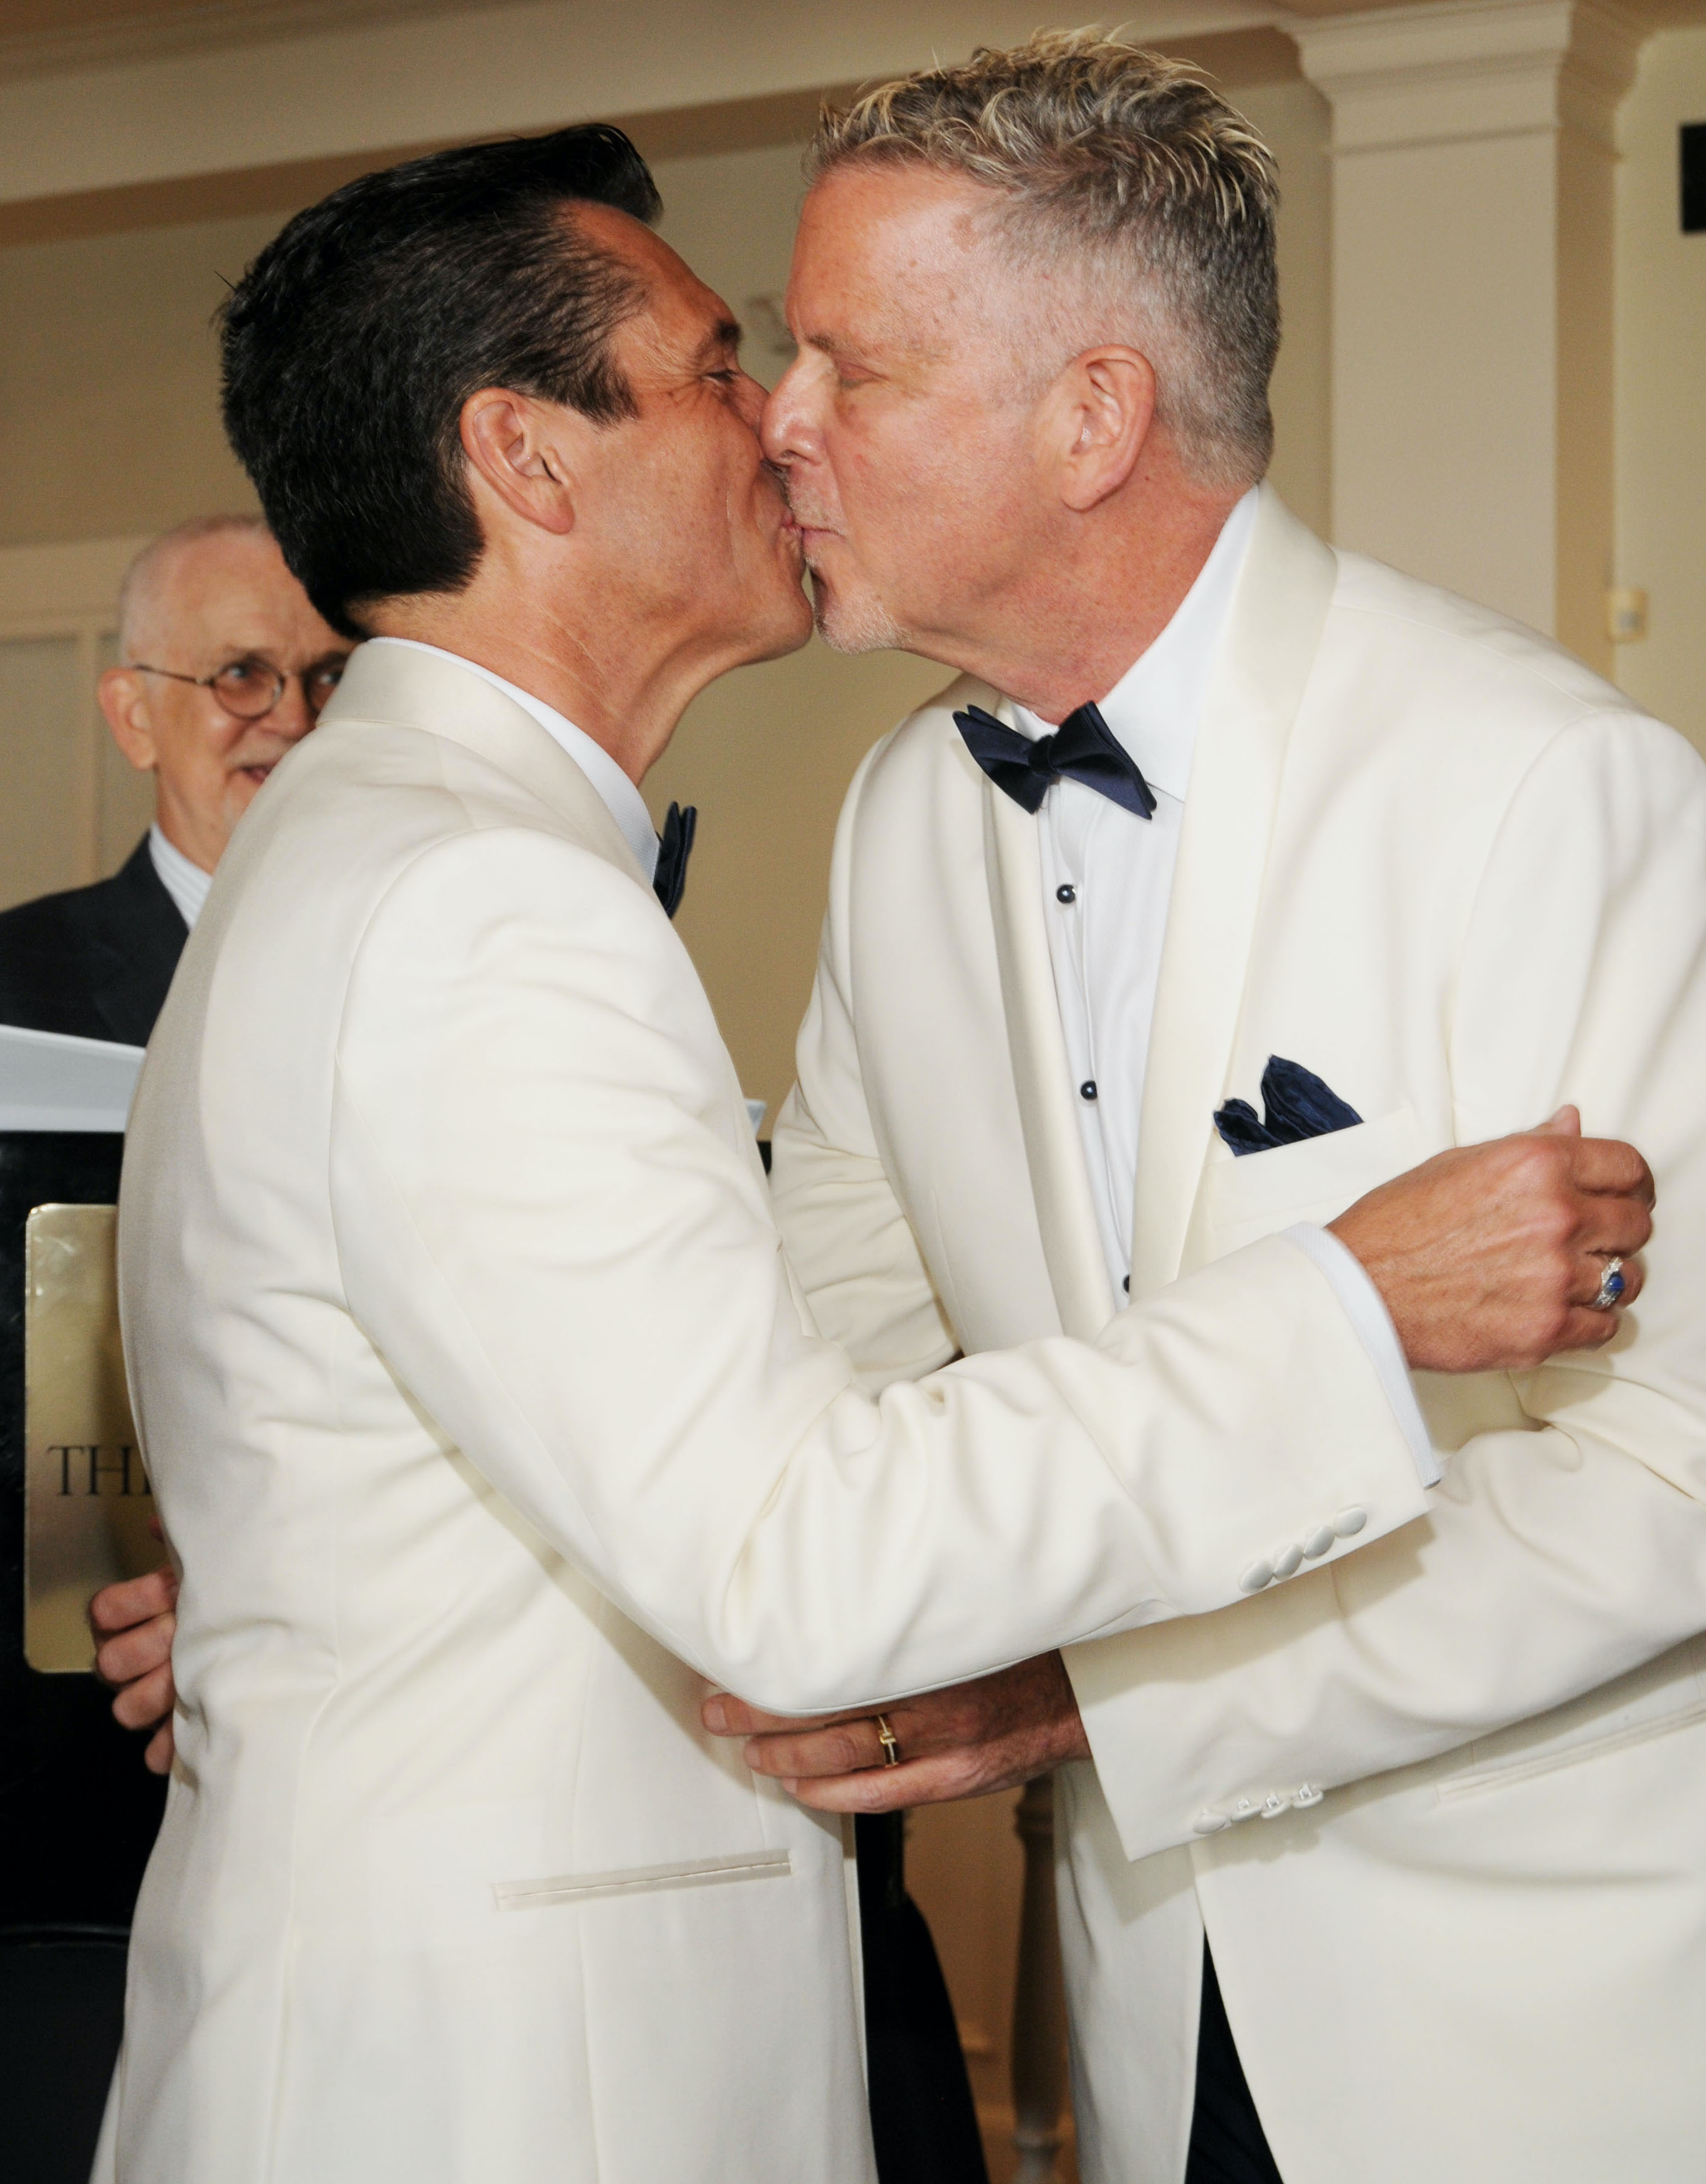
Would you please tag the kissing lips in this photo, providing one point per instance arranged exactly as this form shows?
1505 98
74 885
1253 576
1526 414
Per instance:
813 540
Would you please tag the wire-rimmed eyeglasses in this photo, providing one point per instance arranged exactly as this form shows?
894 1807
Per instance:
249 688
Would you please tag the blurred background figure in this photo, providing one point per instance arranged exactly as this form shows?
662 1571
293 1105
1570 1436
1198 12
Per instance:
226 664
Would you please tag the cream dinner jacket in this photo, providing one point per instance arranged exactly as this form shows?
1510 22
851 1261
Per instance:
485 1420
1432 858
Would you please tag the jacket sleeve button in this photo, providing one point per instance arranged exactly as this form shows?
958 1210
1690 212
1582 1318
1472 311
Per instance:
1318 1541
1349 1521
1287 1560
1257 1576
1210 1823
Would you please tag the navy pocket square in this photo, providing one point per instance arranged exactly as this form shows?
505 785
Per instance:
1299 1105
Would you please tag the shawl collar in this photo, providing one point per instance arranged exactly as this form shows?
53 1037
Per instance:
439 697
1272 632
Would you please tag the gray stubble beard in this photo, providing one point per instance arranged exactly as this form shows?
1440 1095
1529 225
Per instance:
869 628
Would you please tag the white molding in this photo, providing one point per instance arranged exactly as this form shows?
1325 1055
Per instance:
212 25
1471 69
69 593
342 89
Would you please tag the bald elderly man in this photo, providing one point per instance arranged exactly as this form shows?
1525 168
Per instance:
225 665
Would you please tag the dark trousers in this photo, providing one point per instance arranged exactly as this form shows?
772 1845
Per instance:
922 2117
1228 2145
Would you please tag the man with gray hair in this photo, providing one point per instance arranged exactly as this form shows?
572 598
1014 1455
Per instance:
225 665
1234 876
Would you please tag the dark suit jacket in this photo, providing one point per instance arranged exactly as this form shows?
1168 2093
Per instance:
95 961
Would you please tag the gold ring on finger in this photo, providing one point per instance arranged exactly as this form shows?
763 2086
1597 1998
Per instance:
889 1742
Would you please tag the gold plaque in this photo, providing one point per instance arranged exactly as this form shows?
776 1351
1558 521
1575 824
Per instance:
87 1502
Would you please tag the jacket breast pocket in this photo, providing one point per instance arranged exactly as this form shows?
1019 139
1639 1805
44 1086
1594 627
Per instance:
1315 1180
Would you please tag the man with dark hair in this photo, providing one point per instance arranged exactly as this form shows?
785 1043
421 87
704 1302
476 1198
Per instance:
476 1392
430 280
223 666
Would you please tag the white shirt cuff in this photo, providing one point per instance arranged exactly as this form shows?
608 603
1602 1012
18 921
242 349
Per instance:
1365 1309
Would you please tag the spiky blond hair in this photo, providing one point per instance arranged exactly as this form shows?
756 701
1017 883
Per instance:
1130 165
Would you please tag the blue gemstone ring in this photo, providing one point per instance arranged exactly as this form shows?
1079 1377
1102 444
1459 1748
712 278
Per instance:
1611 1285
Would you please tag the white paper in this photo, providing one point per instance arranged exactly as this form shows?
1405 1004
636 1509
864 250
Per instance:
49 1081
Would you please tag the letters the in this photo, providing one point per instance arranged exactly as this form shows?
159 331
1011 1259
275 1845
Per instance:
119 1465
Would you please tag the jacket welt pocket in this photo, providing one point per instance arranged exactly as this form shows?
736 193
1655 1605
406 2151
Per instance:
642 1880
1661 1701
1313 1180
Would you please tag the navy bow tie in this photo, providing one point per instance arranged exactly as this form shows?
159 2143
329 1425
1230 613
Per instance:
1083 747
675 847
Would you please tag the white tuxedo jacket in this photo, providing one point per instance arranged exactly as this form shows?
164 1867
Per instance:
485 1418
1431 858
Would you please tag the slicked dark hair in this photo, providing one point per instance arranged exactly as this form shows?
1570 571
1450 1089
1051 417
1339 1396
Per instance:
352 343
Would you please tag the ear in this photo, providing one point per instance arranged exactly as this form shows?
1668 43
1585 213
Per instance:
123 695
1098 415
517 448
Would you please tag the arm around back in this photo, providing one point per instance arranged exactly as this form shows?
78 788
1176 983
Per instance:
552 1227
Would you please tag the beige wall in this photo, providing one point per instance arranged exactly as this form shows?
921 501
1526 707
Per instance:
1293 118
433 73
109 381
1661 388
70 807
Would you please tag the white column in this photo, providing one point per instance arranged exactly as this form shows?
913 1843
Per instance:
1473 155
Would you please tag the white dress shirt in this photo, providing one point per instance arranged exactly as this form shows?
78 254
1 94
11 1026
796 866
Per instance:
623 800
187 885
1107 878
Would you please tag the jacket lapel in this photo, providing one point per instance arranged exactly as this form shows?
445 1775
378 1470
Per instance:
441 697
1071 1242
1274 630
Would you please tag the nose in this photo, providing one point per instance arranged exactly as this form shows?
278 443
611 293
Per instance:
290 718
786 428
